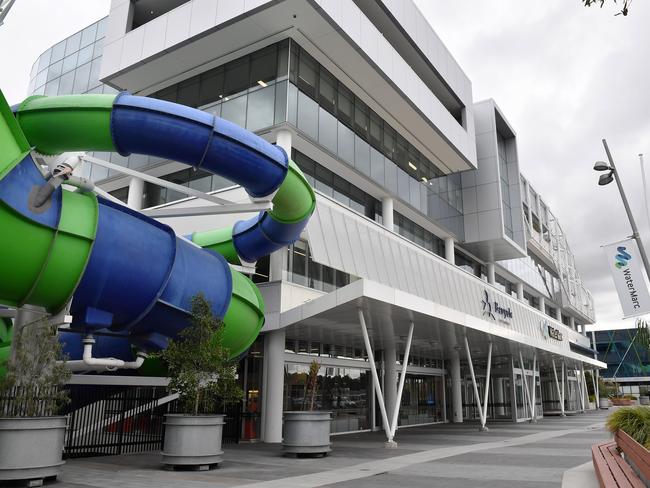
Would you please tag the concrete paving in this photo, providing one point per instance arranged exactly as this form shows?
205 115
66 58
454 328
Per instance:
451 456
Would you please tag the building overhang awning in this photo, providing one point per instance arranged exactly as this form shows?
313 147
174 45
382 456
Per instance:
333 319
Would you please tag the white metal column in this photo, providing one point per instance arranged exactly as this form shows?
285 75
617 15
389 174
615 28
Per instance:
534 389
387 214
456 387
560 392
482 410
526 391
136 193
375 379
273 389
449 250
402 378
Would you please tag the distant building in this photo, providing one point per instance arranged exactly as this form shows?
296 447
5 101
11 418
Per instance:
625 358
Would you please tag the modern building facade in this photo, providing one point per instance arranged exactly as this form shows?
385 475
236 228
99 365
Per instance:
433 283
628 361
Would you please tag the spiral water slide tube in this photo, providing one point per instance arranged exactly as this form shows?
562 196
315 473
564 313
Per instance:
129 278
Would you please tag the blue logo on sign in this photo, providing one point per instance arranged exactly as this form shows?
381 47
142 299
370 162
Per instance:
622 257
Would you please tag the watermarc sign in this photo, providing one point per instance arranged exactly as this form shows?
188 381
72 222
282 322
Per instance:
493 310
624 262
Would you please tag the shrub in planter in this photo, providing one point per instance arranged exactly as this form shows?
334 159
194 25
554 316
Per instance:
31 395
307 432
204 376
634 421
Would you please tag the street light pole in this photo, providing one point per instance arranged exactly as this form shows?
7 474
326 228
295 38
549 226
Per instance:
635 230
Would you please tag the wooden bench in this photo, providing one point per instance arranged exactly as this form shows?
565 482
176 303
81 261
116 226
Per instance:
611 468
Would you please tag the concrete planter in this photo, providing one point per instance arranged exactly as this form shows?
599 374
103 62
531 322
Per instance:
306 433
592 405
31 448
603 403
644 400
193 440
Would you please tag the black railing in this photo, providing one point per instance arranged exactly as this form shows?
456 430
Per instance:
109 420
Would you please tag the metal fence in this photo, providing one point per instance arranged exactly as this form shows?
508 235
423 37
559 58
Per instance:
111 419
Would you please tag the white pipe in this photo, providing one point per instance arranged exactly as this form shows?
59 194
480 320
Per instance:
89 363
525 381
534 388
402 378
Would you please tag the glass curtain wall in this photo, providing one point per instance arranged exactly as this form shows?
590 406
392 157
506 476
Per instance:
324 110
343 391
422 400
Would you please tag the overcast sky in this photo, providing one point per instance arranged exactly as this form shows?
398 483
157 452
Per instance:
565 76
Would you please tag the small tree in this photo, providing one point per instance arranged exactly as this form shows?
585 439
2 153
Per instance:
199 366
625 9
311 386
35 374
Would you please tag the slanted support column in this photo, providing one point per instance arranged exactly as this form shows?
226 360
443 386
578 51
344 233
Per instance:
560 391
450 253
534 389
387 213
542 304
520 291
402 378
481 410
491 275
375 380
456 386
273 390
583 388
136 193
527 394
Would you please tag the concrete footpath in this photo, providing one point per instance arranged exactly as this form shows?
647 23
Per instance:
451 456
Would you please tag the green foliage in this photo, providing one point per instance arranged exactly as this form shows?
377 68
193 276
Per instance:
32 386
199 367
634 421
606 389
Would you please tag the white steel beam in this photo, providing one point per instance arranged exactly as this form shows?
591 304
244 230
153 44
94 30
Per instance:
402 378
560 393
534 389
583 387
375 377
476 395
487 384
156 181
158 213
525 381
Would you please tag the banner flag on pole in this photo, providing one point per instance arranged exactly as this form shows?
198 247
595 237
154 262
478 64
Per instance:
626 267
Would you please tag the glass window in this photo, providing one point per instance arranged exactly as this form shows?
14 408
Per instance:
292 104
235 110
98 48
390 172
264 66
261 108
361 155
283 60
88 35
327 131
41 78
72 43
298 261
58 51
345 105
403 186
101 28
44 60
361 118
94 73
345 143
307 73
374 130
327 90
54 71
211 86
308 115
377 166
52 88
65 84
188 92
281 102
85 55
70 62
236 76
169 94
81 77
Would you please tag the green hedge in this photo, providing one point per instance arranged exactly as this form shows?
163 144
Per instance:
634 421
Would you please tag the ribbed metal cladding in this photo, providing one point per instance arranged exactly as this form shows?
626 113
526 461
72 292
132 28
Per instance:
346 241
